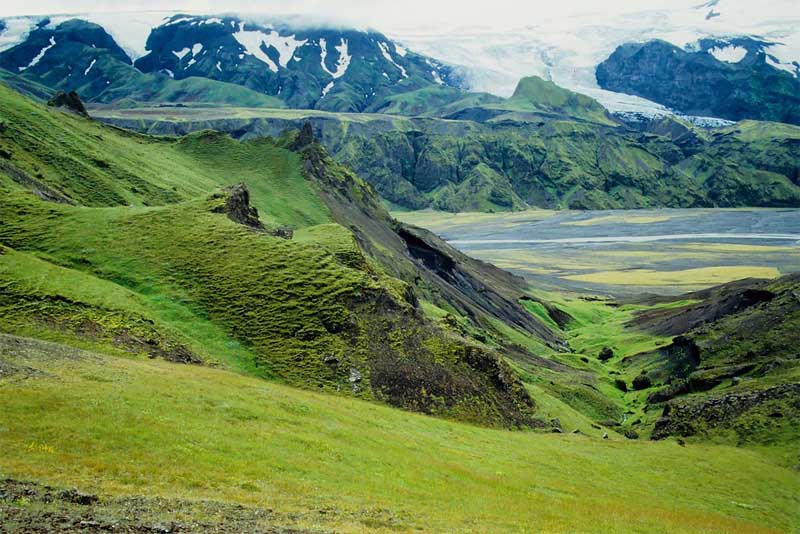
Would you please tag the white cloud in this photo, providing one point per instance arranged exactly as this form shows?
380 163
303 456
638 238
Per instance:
383 14
429 16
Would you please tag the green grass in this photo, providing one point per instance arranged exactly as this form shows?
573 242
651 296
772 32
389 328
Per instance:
435 101
128 426
533 94
96 165
686 277
44 300
258 288
598 323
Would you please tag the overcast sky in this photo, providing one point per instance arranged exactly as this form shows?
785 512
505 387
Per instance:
374 13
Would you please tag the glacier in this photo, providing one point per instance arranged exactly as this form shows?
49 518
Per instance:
567 48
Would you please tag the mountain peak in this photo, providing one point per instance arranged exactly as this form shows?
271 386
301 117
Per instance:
539 95
332 69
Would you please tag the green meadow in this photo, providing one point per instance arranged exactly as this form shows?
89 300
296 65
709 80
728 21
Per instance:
127 426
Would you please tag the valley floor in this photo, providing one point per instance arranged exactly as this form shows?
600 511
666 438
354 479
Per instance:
626 252
190 438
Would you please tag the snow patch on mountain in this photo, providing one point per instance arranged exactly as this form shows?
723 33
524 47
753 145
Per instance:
252 40
286 45
181 53
89 68
344 58
729 54
793 69
384 47
40 55
785 54
129 30
178 21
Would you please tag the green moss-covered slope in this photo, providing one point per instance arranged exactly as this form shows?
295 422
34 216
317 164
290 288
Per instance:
193 275
486 156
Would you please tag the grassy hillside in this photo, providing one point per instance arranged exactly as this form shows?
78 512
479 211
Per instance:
206 278
533 94
165 430
83 162
149 222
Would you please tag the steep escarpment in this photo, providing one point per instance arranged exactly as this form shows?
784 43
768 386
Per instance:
533 159
744 84
441 274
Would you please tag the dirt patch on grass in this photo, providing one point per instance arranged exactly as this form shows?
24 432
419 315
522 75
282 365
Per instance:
9 370
30 507
15 347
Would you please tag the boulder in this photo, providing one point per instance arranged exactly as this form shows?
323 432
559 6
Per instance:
642 382
71 101
621 385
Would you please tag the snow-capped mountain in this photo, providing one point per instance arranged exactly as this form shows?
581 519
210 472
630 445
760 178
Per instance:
731 78
568 48
323 68
565 48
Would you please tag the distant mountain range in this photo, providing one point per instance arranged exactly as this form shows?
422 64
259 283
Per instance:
566 47
406 122
545 146
192 58
295 62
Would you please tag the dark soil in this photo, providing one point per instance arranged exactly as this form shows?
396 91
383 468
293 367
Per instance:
715 304
28 507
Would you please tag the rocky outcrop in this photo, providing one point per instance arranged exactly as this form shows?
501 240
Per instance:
70 101
716 303
688 418
697 83
235 203
237 207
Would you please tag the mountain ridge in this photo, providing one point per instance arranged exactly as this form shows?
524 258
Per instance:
485 155
277 63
